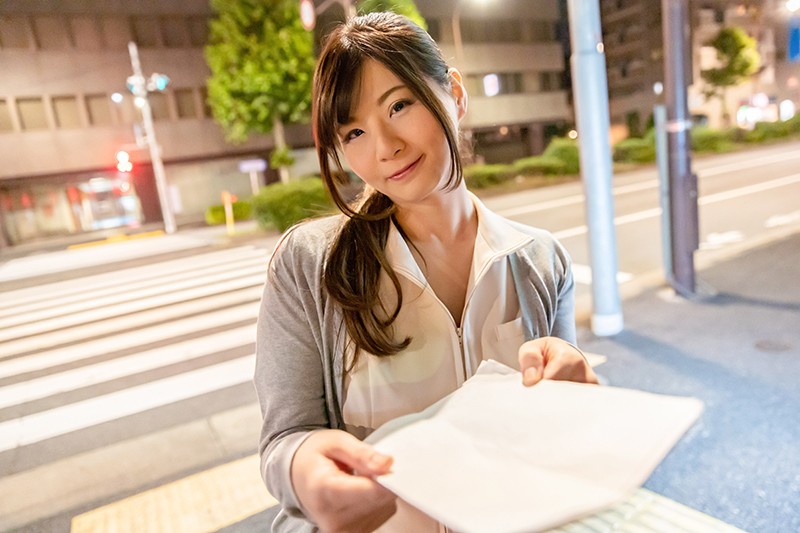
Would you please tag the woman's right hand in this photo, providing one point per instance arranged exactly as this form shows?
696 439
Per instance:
332 475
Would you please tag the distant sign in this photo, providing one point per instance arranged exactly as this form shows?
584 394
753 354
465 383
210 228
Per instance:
793 53
252 165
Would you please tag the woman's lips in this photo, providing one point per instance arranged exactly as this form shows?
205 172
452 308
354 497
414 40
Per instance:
405 171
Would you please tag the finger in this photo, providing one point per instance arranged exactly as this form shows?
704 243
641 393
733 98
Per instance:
532 361
359 456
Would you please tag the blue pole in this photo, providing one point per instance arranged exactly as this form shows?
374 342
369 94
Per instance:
590 88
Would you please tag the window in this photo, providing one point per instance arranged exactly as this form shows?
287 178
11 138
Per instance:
206 107
116 32
14 32
147 31
5 117
495 84
66 112
184 99
31 114
550 81
159 106
51 33
99 109
176 34
198 31
86 33
488 31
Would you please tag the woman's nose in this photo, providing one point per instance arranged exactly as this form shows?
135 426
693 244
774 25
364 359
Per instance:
389 144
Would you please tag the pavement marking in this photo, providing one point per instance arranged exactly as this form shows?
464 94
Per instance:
80 415
583 274
129 322
703 200
127 340
86 376
131 295
37 265
636 187
647 512
120 310
201 503
13 299
782 220
117 238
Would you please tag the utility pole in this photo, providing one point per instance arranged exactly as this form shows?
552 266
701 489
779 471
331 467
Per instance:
683 215
590 85
139 87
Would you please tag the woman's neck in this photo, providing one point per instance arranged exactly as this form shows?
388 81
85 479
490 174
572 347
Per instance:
448 217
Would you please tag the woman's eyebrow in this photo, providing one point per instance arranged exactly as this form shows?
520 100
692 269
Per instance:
385 95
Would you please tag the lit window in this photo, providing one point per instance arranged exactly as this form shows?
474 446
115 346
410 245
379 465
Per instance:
491 85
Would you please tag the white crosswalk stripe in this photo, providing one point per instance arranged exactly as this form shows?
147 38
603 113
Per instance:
81 353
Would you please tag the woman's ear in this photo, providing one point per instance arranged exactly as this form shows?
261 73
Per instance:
459 91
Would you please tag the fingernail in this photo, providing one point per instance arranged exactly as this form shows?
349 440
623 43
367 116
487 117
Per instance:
378 461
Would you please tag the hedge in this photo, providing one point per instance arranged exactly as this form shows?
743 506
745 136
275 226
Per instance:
282 205
635 150
480 176
242 210
540 165
565 150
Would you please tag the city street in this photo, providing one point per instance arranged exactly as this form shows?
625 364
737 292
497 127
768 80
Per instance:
125 368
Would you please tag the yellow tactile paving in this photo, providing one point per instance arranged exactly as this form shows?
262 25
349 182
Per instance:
117 238
203 502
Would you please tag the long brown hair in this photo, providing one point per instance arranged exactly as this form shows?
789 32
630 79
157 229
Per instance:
357 256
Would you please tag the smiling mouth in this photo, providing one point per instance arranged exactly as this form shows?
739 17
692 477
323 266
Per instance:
402 173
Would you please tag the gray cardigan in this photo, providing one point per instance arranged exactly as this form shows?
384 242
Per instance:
299 347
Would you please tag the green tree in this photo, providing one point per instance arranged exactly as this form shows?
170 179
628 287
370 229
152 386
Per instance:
262 62
401 7
739 59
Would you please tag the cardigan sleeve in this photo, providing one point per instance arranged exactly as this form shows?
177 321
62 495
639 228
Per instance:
289 377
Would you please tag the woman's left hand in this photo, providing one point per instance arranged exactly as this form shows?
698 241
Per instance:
553 358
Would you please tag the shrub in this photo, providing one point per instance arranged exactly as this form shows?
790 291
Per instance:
215 214
566 151
281 205
793 124
710 140
540 165
479 176
765 131
635 150
281 157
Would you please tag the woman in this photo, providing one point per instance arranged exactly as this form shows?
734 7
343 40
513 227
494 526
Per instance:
386 309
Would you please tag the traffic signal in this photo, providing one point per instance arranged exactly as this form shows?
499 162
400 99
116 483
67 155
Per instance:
157 82
124 161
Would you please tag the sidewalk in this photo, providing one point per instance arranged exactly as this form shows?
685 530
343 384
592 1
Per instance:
738 351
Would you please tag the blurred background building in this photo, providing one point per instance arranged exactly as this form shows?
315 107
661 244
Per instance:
65 111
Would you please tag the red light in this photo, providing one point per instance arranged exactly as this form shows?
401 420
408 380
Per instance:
124 161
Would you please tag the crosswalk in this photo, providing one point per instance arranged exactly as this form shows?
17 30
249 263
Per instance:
92 362
126 356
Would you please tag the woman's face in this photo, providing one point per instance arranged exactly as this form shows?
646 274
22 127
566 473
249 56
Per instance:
393 142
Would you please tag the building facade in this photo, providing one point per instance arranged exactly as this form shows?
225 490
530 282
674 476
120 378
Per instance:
65 111
633 39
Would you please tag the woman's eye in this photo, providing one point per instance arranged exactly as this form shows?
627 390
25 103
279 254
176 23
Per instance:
352 134
400 105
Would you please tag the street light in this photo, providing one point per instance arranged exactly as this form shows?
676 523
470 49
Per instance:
456 21
139 86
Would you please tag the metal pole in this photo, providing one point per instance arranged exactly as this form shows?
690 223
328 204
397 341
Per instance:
150 137
589 84
662 155
682 182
